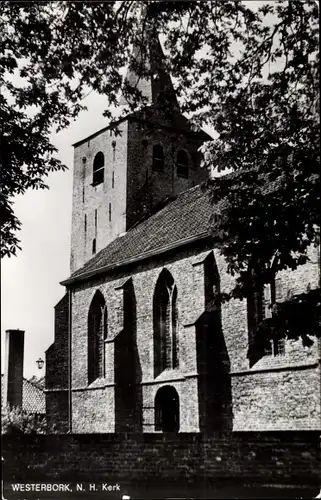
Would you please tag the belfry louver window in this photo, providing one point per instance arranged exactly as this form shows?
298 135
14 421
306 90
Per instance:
158 158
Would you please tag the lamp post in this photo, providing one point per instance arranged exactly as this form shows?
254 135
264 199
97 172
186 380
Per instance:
40 362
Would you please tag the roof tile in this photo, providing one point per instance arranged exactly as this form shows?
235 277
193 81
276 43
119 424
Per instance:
185 216
33 396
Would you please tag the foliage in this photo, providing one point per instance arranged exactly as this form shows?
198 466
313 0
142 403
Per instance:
300 315
249 73
17 421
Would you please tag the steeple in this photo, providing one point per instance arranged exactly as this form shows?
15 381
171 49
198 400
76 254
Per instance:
147 71
121 178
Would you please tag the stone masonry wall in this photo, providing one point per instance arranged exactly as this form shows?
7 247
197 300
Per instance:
277 458
191 306
129 182
145 187
280 392
283 390
57 404
57 369
283 400
58 379
108 198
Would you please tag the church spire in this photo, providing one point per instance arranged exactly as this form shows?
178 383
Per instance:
146 72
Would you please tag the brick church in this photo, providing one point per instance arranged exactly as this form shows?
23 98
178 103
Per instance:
140 342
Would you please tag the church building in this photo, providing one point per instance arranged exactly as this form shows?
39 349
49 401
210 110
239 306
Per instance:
141 344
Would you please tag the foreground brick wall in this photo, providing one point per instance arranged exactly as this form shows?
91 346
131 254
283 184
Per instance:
257 457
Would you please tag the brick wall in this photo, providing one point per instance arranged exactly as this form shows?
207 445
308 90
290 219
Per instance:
286 399
88 198
276 393
57 410
145 187
129 184
285 458
280 392
184 379
57 369
58 378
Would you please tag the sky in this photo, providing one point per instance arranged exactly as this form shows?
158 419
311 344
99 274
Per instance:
30 281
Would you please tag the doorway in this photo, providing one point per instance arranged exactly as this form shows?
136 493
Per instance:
167 410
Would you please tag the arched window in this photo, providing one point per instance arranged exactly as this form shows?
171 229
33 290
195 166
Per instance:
165 324
273 294
211 283
167 409
182 164
98 168
158 158
261 305
105 330
97 333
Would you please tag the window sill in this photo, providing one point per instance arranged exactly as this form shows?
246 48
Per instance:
174 375
94 184
98 383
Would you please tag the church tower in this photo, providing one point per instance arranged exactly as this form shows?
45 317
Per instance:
120 179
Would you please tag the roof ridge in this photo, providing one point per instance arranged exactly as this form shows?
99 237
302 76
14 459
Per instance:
193 188
34 384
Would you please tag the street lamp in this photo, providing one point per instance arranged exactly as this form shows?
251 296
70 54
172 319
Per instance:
40 362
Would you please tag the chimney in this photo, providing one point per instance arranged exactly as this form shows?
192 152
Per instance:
13 376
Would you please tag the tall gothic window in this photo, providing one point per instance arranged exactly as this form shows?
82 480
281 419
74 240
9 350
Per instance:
165 323
98 168
97 333
211 283
273 295
260 305
255 316
182 164
158 158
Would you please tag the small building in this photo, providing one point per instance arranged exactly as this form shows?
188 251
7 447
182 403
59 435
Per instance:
16 390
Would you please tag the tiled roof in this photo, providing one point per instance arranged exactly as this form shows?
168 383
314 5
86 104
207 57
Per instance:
38 381
33 397
184 218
